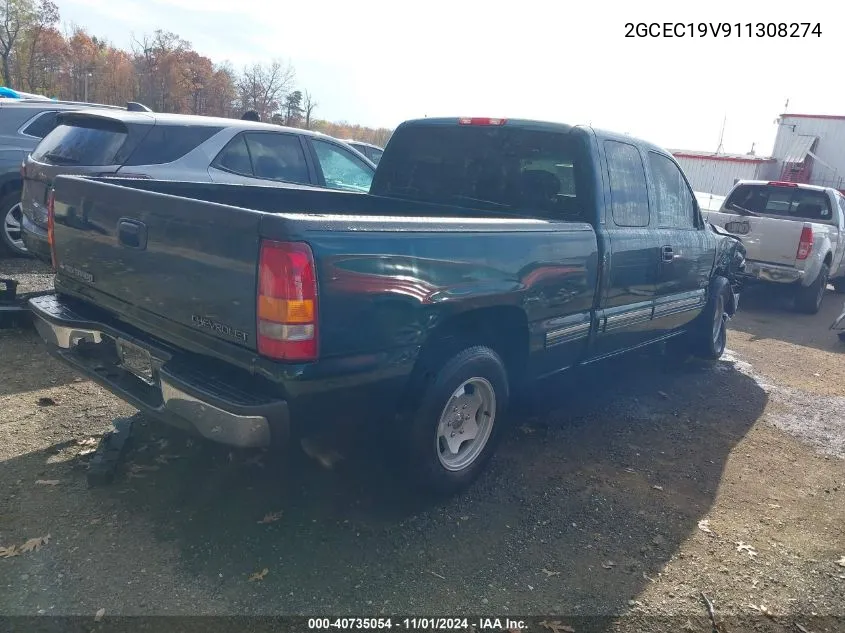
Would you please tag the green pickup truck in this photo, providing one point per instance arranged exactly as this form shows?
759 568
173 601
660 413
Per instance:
488 252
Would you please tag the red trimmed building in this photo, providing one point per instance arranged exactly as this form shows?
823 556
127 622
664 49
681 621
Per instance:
809 148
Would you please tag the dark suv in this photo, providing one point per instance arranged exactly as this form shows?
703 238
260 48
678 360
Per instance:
23 123
186 148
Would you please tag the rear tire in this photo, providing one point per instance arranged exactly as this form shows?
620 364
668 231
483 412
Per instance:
809 299
709 335
467 396
11 242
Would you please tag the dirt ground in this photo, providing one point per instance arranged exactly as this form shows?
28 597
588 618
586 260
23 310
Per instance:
626 491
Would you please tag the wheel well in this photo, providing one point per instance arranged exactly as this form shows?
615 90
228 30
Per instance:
504 329
828 259
9 186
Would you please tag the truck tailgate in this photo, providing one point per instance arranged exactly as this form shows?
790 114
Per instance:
766 239
189 261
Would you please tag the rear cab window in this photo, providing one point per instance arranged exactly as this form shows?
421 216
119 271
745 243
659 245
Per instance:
88 141
512 169
628 188
782 202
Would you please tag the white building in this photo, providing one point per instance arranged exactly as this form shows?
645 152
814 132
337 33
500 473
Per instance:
716 173
810 148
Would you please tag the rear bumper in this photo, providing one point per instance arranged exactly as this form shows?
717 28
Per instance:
35 240
775 273
212 401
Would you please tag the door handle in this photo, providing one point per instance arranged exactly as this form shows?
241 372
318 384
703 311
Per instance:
132 234
667 254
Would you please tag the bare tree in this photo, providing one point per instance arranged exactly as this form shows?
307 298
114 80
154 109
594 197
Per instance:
308 106
15 17
263 87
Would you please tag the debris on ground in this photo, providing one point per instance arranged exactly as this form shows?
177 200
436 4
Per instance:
34 544
9 552
271 517
841 561
99 615
436 575
110 450
550 573
259 575
608 564
745 547
556 626
46 402
704 526
47 482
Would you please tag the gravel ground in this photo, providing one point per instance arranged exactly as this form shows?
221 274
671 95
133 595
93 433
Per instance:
627 490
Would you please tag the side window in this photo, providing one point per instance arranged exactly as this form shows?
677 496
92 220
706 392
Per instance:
341 168
234 157
167 143
841 200
41 125
675 206
628 191
277 156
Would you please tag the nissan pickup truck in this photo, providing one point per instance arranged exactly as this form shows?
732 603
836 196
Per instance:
793 234
487 253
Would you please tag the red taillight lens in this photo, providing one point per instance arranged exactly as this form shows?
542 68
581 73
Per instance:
805 244
287 301
51 222
480 121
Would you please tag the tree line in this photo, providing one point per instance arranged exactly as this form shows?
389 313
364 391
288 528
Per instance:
161 70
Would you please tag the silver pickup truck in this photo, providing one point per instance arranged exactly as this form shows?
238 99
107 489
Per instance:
793 235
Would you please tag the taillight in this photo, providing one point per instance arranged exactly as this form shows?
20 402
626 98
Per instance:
287 301
805 244
480 121
51 212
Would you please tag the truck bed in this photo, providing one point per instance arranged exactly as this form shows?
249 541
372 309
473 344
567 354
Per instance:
180 260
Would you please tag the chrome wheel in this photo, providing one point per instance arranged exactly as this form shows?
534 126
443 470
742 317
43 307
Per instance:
12 232
466 424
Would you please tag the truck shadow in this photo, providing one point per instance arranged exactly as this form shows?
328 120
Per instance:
767 313
601 477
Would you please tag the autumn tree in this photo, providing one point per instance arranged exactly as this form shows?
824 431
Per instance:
16 17
30 59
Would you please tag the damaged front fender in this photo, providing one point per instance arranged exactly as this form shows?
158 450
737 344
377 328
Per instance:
730 263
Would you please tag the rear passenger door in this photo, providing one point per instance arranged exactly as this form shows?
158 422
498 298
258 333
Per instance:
629 289
339 168
262 158
685 252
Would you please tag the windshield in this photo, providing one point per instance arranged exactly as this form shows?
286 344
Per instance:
488 168
786 202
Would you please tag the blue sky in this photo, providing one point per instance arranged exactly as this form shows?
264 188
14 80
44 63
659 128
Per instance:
378 63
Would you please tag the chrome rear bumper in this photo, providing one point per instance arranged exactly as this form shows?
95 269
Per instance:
183 394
